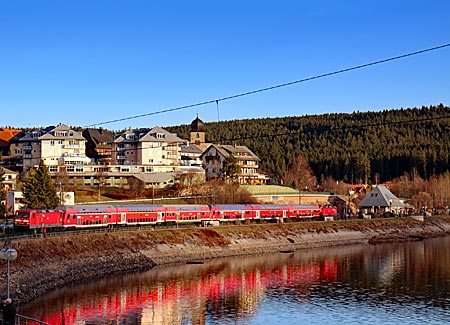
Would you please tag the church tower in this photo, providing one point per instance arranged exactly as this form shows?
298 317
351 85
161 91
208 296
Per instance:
198 132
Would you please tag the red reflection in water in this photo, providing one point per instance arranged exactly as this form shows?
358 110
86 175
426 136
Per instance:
165 297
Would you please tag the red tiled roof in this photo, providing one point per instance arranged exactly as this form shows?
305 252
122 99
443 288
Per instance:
7 133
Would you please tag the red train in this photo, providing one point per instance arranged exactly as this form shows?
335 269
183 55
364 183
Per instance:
89 216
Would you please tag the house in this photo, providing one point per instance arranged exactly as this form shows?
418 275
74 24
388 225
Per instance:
99 145
190 155
9 179
6 134
214 156
380 200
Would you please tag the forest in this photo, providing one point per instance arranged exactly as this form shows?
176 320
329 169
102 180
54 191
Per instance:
361 147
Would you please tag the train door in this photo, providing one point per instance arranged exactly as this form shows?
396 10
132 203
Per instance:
78 220
105 219
160 217
257 215
198 215
123 218
284 214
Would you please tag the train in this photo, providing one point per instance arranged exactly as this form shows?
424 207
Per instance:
99 215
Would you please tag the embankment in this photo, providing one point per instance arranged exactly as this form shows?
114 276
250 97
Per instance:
47 263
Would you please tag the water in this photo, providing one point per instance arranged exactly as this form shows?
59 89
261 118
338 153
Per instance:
401 283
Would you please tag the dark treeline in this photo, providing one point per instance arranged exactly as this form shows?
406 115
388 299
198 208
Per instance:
359 147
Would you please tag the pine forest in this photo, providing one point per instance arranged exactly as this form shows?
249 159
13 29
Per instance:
362 147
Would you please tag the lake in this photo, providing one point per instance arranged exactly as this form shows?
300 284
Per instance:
407 283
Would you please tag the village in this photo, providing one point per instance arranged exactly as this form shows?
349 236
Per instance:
157 159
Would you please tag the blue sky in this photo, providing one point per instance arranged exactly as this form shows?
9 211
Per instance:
85 62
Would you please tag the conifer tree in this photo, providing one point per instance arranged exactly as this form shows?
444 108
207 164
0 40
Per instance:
38 189
230 167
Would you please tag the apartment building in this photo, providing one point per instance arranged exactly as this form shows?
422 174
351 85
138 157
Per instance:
56 146
147 147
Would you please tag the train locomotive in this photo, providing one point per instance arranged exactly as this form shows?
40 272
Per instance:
97 215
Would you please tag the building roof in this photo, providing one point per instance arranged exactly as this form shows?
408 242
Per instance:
8 171
99 136
62 131
197 125
155 177
7 134
156 134
380 196
190 148
31 135
270 190
239 152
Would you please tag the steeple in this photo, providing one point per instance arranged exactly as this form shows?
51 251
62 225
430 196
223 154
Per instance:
198 131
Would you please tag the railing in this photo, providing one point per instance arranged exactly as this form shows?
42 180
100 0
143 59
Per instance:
24 320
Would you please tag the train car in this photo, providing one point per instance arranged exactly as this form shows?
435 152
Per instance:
229 212
304 211
268 212
186 213
329 211
139 214
89 216
38 219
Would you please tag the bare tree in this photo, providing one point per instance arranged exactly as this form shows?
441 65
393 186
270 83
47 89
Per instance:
300 174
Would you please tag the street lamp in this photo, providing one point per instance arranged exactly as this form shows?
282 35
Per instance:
8 254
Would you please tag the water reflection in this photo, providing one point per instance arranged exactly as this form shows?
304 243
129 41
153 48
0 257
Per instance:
407 283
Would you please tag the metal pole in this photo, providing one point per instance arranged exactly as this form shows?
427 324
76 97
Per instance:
7 281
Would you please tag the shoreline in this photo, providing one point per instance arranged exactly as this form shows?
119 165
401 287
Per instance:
44 264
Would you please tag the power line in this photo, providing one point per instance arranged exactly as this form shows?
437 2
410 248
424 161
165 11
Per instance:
311 130
275 86
319 129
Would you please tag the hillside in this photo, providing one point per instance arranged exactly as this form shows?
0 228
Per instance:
351 147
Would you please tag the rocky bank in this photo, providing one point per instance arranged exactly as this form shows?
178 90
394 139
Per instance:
44 264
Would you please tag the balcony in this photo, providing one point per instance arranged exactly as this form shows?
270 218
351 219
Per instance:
71 146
